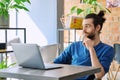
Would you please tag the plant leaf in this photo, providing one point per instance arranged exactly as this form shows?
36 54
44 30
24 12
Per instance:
79 11
1 5
103 8
18 1
88 11
26 1
11 65
7 1
29 1
108 10
23 0
20 7
3 64
73 9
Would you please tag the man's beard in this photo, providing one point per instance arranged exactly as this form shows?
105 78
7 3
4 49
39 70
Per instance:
91 36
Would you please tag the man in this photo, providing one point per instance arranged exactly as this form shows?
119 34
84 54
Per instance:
91 51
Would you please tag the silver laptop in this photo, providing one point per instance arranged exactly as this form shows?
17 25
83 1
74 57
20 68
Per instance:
29 56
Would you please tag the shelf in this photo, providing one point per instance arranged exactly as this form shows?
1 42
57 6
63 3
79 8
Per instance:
7 29
62 29
5 33
71 38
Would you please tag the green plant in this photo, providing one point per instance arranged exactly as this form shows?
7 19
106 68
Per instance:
7 5
91 6
4 64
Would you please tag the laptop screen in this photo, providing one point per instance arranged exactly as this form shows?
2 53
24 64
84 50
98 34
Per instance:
28 55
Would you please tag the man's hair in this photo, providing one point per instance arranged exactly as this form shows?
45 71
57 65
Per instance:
98 19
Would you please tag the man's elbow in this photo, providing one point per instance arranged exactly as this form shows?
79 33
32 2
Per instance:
100 75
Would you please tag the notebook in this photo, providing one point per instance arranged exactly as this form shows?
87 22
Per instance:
29 56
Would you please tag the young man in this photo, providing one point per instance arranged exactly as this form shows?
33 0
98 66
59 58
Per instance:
91 51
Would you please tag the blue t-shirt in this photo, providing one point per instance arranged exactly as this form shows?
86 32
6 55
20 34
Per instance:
78 54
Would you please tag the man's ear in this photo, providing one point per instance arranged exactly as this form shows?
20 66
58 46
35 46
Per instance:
98 28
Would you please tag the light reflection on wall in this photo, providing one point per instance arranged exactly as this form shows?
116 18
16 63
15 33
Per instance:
34 35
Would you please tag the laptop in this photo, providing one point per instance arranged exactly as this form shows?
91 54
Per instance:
29 56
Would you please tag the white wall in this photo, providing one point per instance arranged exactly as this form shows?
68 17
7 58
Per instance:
40 22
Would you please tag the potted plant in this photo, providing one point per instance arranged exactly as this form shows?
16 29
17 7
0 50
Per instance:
7 5
90 6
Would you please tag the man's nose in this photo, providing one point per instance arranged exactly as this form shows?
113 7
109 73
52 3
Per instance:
84 29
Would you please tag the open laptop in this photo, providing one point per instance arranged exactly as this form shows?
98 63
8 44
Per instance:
29 56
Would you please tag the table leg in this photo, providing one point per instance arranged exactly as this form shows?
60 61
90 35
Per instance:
1 58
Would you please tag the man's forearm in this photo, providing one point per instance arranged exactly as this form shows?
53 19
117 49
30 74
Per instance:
95 63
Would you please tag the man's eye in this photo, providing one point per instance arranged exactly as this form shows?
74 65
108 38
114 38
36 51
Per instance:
88 26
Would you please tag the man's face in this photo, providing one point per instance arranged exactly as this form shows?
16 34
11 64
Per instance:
88 28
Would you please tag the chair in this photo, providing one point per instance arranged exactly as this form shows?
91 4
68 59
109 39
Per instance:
49 52
111 76
14 40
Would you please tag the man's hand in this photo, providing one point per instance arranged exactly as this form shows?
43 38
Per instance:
94 60
88 43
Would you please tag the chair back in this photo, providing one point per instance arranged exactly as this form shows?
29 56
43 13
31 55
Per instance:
14 40
49 52
117 52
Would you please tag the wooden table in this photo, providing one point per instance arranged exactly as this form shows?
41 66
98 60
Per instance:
68 72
